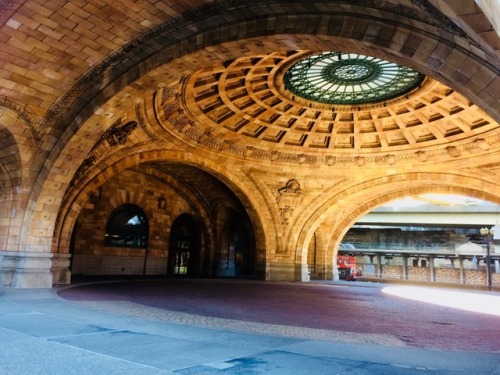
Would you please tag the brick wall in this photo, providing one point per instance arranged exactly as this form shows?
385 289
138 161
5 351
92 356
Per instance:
392 272
419 273
91 257
473 277
447 275
442 275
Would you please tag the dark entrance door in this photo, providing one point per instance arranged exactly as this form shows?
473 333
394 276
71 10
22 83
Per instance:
236 256
184 243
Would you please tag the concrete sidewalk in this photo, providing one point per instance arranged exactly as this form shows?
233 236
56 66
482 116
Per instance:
41 333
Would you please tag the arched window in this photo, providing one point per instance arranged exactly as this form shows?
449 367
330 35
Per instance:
127 227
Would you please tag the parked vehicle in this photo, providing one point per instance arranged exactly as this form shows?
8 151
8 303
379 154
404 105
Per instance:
347 268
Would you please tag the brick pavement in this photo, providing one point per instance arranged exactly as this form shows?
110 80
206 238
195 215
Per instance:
355 313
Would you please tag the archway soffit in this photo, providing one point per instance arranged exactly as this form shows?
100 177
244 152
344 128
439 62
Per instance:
140 58
76 196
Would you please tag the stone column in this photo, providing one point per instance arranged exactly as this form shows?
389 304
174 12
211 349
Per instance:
432 270
379 265
60 269
335 272
329 272
462 271
283 271
405 267
305 274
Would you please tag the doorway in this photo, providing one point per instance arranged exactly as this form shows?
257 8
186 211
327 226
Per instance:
184 247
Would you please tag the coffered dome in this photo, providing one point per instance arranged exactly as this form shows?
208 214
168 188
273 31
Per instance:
323 106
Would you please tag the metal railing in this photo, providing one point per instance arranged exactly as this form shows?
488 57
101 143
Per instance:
360 246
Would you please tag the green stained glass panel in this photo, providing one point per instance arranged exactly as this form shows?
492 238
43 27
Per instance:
347 78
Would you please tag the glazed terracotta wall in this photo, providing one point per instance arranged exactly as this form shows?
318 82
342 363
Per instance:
91 256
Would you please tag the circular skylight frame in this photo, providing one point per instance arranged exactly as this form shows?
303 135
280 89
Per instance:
346 78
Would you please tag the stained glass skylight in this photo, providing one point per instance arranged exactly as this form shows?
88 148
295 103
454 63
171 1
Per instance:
348 78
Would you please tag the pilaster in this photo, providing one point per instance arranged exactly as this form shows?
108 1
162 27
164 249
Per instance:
281 271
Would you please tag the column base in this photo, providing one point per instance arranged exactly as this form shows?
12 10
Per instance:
287 272
25 269
61 274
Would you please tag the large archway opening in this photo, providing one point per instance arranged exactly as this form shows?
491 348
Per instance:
428 238
343 210
190 222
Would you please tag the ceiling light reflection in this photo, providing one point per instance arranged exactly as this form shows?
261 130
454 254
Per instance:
475 302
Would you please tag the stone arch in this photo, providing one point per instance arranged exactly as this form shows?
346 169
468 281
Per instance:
6 208
16 155
23 115
143 187
317 262
243 190
359 40
66 223
413 47
10 155
425 49
10 183
346 207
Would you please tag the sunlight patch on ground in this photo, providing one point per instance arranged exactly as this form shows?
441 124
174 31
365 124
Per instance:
476 302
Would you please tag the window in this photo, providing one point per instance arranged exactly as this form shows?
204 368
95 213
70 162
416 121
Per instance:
127 227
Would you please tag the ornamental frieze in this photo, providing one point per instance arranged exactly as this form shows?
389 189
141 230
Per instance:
250 117
111 139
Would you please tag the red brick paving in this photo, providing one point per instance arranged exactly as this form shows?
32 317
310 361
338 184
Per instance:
352 308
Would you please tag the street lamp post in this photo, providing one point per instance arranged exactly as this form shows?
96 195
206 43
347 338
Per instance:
487 233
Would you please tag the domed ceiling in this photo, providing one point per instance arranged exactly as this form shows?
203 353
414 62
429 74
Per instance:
324 107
